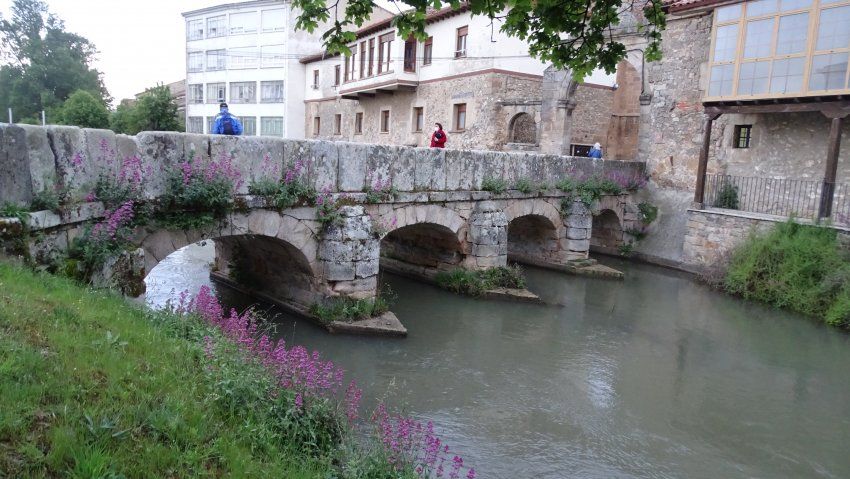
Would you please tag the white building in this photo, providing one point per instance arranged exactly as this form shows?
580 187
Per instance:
246 54
472 78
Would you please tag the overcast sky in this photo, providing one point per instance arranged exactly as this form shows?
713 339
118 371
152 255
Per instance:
141 42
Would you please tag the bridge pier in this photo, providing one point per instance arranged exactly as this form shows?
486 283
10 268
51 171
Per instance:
488 236
349 255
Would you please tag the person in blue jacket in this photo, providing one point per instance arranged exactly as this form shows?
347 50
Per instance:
225 123
596 151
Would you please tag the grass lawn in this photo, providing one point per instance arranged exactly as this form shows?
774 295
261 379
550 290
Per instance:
92 386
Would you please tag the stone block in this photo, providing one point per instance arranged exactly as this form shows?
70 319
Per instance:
197 147
366 250
402 167
484 262
259 157
489 250
16 184
40 220
319 157
42 166
161 153
460 170
579 221
437 196
355 162
578 233
458 196
481 195
417 197
369 284
338 271
75 170
578 245
429 168
366 269
83 212
264 222
336 251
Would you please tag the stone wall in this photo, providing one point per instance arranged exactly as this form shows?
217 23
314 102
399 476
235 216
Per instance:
71 159
592 115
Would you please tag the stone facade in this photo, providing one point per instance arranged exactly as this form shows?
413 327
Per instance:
592 116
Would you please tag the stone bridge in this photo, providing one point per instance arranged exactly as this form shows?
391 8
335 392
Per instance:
435 218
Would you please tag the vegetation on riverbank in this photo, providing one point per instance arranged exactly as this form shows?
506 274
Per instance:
349 309
93 386
477 282
800 267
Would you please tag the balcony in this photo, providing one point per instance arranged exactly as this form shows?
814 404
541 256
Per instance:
388 82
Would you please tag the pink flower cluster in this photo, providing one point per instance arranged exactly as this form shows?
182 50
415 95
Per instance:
293 173
222 168
633 181
294 368
407 442
376 184
268 167
115 220
133 172
77 160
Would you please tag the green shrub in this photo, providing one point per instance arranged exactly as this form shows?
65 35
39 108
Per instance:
727 197
588 190
799 267
14 210
46 199
494 185
648 212
347 309
476 283
524 185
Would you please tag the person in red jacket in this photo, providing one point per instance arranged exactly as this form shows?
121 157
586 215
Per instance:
439 137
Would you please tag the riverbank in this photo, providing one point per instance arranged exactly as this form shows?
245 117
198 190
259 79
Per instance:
94 386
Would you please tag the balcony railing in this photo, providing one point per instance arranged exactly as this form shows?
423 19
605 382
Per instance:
779 197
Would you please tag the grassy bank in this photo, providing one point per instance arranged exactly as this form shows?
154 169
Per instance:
799 267
92 386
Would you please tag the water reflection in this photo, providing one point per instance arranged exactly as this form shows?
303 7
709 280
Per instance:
651 377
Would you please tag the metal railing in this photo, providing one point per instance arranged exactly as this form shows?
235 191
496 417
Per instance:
775 196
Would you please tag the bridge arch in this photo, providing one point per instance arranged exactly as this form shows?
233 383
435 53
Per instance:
535 228
607 230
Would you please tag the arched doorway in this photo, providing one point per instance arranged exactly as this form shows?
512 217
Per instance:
523 129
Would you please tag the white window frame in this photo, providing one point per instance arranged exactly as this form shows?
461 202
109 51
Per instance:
241 29
199 55
272 84
274 27
195 128
219 87
195 29
272 56
217 26
264 121
195 93
216 60
237 95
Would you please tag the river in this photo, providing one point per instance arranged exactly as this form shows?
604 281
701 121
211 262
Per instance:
655 376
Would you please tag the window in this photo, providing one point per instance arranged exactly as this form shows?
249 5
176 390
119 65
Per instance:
249 125
315 79
460 50
385 52
243 92
353 63
371 54
358 123
743 134
271 126
410 55
195 31
216 60
271 91
272 56
245 22
336 75
317 125
385 121
195 94
210 124
418 118
362 59
195 62
460 116
242 57
195 124
216 26
274 20
215 92
338 124
774 48
428 51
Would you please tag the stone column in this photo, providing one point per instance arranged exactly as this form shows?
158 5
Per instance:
578 223
349 254
488 233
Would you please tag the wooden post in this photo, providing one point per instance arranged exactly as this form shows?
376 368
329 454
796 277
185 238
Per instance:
699 193
828 188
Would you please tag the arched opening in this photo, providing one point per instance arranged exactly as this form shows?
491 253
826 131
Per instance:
532 239
606 232
421 250
523 129
261 265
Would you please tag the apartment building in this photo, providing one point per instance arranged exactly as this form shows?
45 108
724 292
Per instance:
480 84
246 54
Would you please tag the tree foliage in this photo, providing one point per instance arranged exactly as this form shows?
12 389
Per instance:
42 63
84 110
155 110
574 34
